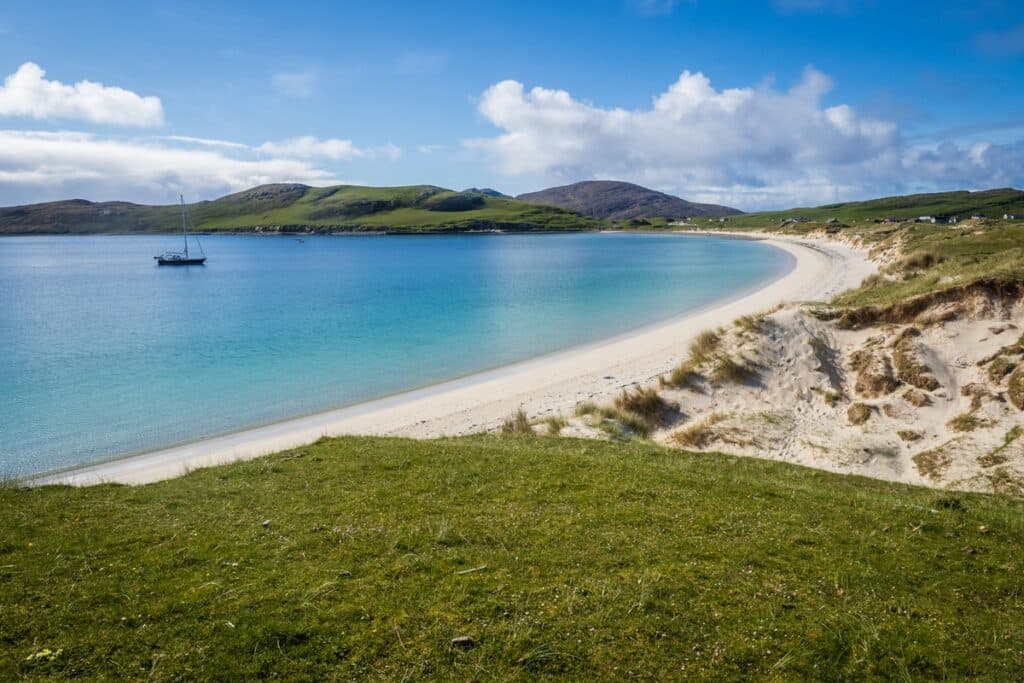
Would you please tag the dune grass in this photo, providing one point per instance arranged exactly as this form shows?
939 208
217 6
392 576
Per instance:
586 559
517 423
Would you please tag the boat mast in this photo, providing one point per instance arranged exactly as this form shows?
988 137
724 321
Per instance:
184 232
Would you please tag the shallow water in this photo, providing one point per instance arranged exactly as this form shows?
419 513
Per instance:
102 353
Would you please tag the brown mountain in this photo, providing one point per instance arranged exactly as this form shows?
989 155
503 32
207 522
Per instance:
614 200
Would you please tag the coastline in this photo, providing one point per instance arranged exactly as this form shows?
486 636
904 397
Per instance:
546 385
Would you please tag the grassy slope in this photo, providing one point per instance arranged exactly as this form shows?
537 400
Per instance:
394 209
990 203
603 560
959 254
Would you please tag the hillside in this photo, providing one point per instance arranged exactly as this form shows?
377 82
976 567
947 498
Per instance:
618 201
988 203
292 207
365 557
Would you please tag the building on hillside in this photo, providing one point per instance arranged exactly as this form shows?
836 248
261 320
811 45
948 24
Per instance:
943 220
1011 217
977 216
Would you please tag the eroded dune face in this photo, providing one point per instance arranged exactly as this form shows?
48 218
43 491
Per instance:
928 390
933 399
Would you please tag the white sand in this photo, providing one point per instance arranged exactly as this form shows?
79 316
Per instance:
548 385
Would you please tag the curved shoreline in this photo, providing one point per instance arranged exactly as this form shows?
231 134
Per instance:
548 384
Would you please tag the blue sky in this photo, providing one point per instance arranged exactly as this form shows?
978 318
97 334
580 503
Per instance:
752 104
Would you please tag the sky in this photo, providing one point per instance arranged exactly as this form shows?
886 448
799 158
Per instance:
756 105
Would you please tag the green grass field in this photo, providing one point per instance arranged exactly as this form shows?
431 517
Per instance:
365 557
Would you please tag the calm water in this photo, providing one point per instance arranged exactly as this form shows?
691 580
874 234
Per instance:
102 353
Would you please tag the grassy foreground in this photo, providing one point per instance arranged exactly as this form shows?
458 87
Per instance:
604 560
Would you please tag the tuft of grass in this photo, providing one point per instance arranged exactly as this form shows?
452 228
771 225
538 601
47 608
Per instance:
517 423
874 374
618 423
727 369
998 456
1000 367
858 413
682 376
555 424
909 368
704 347
909 435
916 398
919 260
967 422
751 323
645 402
933 463
1015 388
698 435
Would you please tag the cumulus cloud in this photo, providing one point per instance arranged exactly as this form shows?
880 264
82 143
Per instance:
27 92
48 165
753 146
308 147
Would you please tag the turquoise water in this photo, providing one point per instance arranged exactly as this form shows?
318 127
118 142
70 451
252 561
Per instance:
102 353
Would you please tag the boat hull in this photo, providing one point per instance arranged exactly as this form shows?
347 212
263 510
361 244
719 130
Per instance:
161 261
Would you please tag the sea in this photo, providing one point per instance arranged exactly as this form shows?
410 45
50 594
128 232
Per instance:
105 354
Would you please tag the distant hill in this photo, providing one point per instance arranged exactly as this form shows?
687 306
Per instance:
618 201
487 191
962 203
299 208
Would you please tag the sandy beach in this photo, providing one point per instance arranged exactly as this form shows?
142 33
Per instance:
542 386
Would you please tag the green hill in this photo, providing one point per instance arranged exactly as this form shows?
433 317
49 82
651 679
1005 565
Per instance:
363 558
299 208
989 203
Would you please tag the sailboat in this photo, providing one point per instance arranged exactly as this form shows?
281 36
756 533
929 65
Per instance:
182 258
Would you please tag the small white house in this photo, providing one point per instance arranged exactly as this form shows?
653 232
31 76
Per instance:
1011 217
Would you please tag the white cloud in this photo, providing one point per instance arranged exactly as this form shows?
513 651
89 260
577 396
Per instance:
45 165
204 142
308 147
753 146
429 149
299 83
27 92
